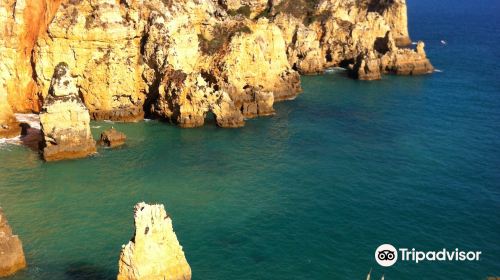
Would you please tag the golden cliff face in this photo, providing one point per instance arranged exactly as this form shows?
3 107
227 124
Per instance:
101 44
21 23
181 60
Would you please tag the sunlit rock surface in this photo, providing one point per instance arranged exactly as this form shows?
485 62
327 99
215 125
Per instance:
65 121
154 251
11 249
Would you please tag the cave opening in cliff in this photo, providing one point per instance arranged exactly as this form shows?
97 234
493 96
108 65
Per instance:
210 118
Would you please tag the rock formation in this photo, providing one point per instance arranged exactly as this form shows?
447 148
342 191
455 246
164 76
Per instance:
112 138
11 249
181 60
370 66
153 252
65 121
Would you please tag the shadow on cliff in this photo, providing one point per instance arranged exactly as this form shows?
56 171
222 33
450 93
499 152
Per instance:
88 271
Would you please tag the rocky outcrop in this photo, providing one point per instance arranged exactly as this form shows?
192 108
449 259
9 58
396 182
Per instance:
407 62
336 33
370 66
11 249
182 60
154 251
65 121
187 99
367 67
112 138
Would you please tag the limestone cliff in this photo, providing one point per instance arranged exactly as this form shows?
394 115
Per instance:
154 251
100 41
21 22
65 121
11 249
181 60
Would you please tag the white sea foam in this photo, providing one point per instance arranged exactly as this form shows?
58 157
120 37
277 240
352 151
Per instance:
4 142
32 133
414 43
334 70
438 71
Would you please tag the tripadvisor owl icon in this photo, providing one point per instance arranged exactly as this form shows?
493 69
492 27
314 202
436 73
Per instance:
386 255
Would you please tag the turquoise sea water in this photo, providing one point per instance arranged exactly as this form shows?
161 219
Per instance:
307 194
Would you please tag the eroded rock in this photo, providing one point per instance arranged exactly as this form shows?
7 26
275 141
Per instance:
65 121
11 249
367 67
154 251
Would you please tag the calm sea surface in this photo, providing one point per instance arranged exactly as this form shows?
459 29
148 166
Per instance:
306 194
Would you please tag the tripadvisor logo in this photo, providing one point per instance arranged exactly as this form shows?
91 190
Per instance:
387 255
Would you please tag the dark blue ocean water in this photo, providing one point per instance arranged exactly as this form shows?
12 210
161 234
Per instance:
307 194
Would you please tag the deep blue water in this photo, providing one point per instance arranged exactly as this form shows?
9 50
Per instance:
307 194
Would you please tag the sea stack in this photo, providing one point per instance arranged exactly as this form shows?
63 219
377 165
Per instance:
11 249
65 121
154 251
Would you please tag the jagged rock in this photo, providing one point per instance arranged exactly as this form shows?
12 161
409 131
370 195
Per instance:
154 251
407 61
367 67
371 64
186 99
11 249
65 121
260 102
112 138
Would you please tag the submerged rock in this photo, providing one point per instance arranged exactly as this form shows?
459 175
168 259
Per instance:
154 251
112 138
65 121
11 249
